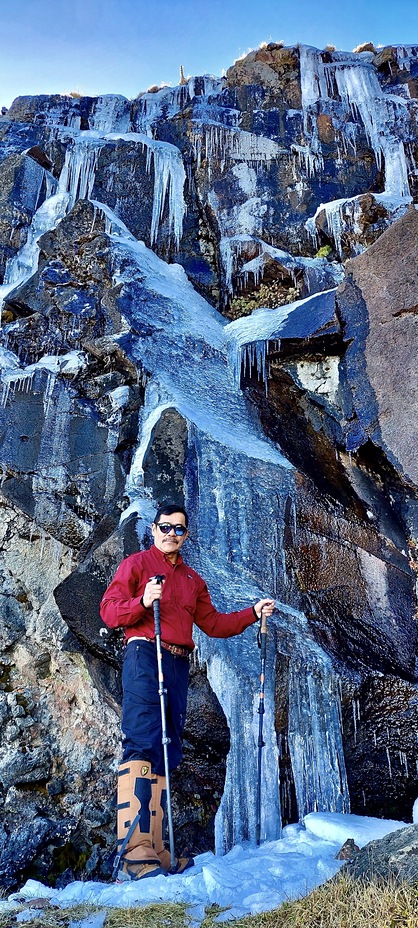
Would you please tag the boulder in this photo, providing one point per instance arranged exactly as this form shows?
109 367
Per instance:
391 859
378 305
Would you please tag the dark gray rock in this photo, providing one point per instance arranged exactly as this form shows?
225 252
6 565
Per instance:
381 323
392 858
23 186
28 767
12 621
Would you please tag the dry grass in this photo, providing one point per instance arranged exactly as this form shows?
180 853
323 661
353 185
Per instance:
343 903
340 903
153 916
167 915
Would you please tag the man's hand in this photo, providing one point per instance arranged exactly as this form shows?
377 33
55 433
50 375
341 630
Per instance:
153 590
266 606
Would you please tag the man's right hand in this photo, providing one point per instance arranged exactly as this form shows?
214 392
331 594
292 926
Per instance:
153 590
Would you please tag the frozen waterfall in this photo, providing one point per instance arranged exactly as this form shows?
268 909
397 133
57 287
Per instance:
237 486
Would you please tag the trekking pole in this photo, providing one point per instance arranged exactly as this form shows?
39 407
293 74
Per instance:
165 741
262 642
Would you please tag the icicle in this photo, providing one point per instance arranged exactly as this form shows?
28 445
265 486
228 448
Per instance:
396 170
311 159
403 760
228 144
169 180
227 259
79 171
315 739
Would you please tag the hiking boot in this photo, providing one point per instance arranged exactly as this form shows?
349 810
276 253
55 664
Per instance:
159 806
136 783
182 863
137 870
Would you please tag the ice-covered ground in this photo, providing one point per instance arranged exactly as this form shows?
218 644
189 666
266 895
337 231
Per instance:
247 880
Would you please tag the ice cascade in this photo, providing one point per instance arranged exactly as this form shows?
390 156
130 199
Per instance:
227 452
349 80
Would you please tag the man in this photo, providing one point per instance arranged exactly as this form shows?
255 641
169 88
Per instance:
128 603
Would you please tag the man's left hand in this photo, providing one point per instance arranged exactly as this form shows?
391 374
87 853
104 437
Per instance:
266 606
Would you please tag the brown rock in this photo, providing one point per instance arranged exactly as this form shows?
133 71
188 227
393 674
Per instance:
272 66
326 129
386 275
384 56
348 850
413 87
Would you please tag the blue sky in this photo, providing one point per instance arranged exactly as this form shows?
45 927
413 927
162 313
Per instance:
124 46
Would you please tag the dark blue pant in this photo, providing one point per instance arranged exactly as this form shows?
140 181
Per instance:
141 708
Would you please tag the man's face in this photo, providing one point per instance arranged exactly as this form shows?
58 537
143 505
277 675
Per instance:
169 543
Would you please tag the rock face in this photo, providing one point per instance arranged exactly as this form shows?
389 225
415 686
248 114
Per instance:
210 294
384 278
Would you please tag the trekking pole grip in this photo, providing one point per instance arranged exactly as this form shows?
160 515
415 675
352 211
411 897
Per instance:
156 608
263 633
157 621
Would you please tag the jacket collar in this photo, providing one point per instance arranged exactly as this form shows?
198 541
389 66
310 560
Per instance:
164 559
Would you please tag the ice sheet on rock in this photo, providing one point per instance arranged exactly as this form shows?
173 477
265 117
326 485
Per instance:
315 730
186 331
315 735
315 739
149 108
76 181
248 338
8 361
25 262
234 676
339 828
351 79
111 113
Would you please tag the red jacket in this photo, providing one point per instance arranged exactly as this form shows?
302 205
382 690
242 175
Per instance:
185 599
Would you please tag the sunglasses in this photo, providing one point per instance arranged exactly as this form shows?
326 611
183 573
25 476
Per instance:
165 528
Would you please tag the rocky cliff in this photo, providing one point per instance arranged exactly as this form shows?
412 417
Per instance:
210 293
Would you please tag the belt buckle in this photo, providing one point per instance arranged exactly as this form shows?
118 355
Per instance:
175 649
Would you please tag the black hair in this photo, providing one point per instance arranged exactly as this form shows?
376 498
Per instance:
167 509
